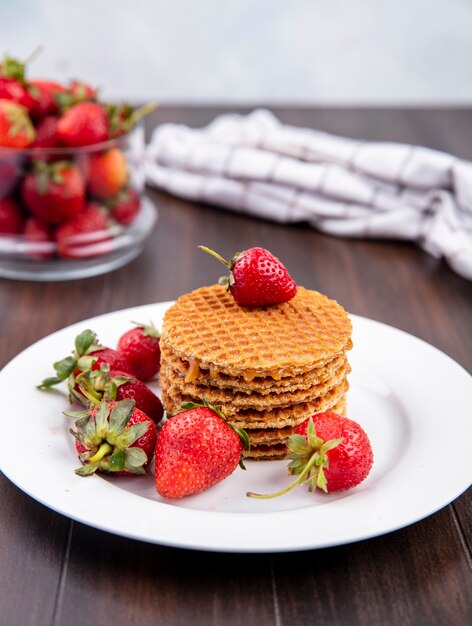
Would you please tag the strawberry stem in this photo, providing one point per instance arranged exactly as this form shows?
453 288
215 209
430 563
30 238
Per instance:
215 254
32 55
102 451
141 112
300 479
89 392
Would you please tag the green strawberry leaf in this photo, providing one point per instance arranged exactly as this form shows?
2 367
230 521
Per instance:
121 380
149 330
47 383
117 461
135 457
110 390
84 341
297 444
120 416
65 367
87 470
12 68
86 363
321 480
329 445
131 434
187 406
101 420
242 434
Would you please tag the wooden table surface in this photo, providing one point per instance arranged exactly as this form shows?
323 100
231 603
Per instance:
62 573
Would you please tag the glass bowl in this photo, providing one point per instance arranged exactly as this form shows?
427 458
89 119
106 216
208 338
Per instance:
60 250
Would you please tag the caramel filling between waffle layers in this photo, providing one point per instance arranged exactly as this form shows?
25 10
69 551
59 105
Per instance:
193 370
196 367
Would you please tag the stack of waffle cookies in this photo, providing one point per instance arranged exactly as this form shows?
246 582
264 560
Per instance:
267 368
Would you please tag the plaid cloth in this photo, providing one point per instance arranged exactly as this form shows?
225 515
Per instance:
256 165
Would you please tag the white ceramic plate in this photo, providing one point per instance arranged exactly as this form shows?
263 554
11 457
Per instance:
407 395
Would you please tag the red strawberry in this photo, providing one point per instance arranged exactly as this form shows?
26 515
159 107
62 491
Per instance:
108 173
11 89
85 235
16 129
41 243
54 192
93 385
146 400
125 206
328 451
112 358
45 95
257 278
116 437
195 450
13 84
83 124
11 217
140 346
46 136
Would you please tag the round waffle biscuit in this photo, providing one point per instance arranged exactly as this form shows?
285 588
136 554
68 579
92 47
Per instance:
287 339
210 377
232 401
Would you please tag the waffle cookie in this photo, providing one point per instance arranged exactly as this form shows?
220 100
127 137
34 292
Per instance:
268 368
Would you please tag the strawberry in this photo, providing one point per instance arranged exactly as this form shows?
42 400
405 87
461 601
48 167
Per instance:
146 400
85 235
54 192
94 373
14 86
38 236
11 89
125 206
45 94
93 385
195 450
83 124
111 357
115 437
46 136
140 346
11 217
328 451
16 129
108 173
256 278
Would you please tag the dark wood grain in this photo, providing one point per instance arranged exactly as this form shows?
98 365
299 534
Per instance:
420 575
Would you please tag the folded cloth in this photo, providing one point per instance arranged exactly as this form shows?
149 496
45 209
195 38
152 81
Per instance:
257 165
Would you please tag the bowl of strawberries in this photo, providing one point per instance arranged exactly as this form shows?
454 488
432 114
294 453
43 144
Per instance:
72 179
